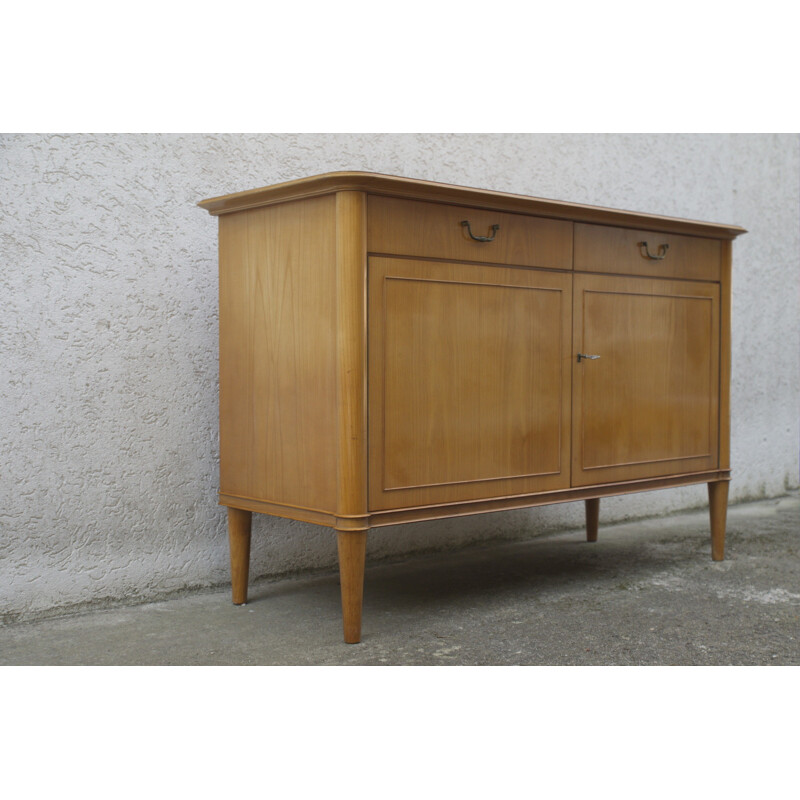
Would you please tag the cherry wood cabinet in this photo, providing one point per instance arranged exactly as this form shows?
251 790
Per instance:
394 350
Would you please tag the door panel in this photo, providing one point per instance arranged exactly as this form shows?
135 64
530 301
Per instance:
649 405
469 381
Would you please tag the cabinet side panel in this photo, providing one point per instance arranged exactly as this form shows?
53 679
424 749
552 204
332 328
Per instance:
278 354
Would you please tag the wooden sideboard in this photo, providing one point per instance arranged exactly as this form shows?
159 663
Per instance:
395 350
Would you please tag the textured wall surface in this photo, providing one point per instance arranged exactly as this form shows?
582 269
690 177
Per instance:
108 336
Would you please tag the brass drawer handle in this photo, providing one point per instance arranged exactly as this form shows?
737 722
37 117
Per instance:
494 230
662 249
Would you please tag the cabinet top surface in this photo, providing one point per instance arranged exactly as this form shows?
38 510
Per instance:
394 186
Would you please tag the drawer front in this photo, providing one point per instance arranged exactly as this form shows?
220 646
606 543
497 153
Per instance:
435 230
599 248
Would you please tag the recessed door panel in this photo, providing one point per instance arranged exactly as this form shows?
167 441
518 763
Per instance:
648 405
469 382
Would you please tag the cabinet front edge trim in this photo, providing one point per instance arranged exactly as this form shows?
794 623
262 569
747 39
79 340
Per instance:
378 519
483 506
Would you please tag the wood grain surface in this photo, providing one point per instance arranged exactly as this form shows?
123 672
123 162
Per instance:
278 323
649 405
469 381
435 230
601 248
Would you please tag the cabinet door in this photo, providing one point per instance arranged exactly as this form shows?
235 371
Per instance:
469 381
649 405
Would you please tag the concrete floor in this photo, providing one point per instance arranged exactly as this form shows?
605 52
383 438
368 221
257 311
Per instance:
646 593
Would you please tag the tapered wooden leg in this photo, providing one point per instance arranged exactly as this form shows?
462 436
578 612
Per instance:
592 518
352 555
718 508
239 523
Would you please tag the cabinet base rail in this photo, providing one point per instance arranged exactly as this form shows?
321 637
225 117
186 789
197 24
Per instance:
352 531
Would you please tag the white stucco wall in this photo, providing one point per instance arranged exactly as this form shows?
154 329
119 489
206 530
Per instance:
108 336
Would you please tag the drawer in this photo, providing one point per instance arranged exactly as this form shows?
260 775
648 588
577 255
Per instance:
600 248
435 230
